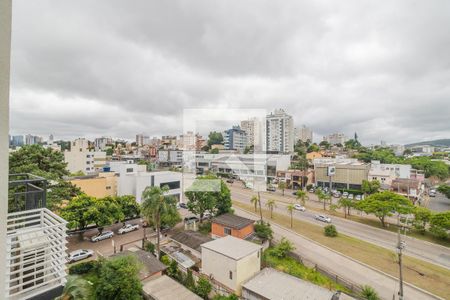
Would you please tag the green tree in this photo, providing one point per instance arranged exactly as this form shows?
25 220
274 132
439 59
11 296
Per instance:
290 209
214 138
302 196
189 282
324 198
75 213
104 212
155 205
271 205
440 224
118 279
282 186
263 230
203 287
128 205
208 193
422 217
76 288
109 151
313 148
346 204
325 144
49 164
385 204
445 189
352 144
369 293
370 187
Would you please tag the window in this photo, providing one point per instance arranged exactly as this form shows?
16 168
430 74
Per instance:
108 187
231 275
172 185
227 231
129 170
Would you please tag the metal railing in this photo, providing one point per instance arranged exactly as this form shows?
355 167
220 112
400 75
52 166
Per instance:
26 191
36 253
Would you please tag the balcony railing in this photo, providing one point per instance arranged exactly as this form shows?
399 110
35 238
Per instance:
36 253
26 191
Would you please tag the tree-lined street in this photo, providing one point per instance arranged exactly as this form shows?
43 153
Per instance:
416 248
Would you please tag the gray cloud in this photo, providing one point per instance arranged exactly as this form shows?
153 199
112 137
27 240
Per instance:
119 68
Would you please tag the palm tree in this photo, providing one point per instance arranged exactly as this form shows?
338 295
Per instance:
369 293
302 196
254 201
322 198
271 205
155 204
282 186
260 208
290 209
76 288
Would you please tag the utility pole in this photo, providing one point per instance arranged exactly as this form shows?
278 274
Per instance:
400 247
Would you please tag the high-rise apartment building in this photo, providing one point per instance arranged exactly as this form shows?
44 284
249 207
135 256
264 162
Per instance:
17 140
101 143
187 141
336 138
32 139
303 134
235 139
142 139
279 132
253 128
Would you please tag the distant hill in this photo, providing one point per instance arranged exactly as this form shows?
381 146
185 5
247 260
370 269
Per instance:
436 143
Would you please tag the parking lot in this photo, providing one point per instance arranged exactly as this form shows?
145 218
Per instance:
105 247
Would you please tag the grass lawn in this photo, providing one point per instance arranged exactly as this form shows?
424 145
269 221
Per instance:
295 268
425 275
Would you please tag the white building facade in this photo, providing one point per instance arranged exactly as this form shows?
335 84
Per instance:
79 158
303 134
279 132
335 138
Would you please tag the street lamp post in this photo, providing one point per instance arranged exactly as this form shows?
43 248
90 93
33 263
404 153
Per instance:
400 247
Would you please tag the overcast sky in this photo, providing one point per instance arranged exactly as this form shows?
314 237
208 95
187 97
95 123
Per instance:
117 68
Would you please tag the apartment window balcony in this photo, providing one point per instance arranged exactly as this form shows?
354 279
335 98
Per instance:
26 191
36 253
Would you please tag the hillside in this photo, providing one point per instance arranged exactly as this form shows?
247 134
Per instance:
441 143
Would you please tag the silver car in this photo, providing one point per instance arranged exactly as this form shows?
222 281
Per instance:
104 235
323 218
79 255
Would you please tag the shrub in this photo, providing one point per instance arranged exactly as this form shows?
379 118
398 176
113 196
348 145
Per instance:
84 267
330 230
283 248
189 281
165 259
203 288
205 228
309 186
369 293
150 247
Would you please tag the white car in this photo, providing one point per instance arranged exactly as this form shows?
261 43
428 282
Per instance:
323 218
350 196
104 235
128 228
79 255
299 207
358 197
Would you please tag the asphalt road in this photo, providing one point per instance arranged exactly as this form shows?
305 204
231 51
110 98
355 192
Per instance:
430 252
344 267
439 203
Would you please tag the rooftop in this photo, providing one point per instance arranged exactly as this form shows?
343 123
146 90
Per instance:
151 264
165 288
192 239
232 221
232 247
273 284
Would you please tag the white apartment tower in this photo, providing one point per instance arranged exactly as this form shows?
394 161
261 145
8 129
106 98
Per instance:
254 132
303 134
336 138
279 132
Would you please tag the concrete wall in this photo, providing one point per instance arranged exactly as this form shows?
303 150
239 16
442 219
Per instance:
219 266
246 268
99 187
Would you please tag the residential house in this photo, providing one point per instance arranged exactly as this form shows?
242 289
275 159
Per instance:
165 288
231 224
103 185
231 261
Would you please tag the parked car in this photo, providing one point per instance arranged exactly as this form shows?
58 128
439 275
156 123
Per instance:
358 197
183 205
191 219
336 194
311 190
207 215
323 218
79 255
128 228
299 207
102 236
271 189
350 196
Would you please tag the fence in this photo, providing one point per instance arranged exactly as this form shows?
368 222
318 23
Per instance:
352 286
